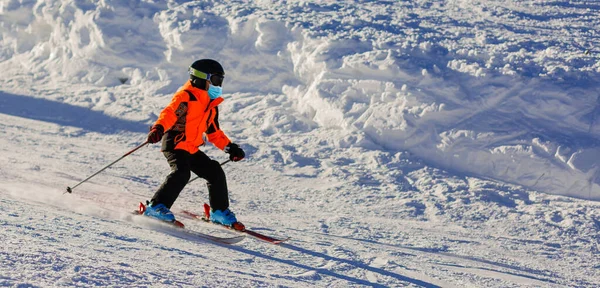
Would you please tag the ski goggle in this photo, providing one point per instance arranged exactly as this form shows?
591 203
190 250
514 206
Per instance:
215 79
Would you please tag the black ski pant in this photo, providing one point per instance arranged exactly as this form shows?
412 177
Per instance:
182 163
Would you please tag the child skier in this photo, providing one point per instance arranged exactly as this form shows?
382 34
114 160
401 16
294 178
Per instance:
193 112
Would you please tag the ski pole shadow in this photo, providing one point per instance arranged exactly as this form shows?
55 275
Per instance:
516 270
360 265
65 114
324 271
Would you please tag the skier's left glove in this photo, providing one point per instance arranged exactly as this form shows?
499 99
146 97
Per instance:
235 152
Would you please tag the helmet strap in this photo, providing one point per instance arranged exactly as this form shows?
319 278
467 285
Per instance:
198 83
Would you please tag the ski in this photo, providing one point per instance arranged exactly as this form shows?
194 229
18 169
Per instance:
193 234
240 228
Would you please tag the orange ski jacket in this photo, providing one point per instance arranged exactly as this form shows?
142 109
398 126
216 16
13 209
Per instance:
189 116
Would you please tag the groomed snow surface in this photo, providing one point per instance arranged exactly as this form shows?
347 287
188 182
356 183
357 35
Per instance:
399 143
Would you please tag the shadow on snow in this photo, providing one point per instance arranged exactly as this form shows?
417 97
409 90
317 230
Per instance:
65 114
321 271
518 270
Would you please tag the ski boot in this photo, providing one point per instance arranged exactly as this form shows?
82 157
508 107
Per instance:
160 212
226 218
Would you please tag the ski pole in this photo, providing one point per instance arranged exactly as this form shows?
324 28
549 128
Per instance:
222 163
70 190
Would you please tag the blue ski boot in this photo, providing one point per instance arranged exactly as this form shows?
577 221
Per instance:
223 217
160 212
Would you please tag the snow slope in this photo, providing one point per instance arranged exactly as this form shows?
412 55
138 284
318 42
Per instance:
419 143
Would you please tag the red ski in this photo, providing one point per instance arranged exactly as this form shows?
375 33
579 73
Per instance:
237 227
193 234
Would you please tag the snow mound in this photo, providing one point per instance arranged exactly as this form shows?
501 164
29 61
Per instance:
478 89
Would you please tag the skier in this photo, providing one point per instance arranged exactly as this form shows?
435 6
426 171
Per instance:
192 113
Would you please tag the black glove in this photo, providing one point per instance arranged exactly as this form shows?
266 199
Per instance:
156 133
235 152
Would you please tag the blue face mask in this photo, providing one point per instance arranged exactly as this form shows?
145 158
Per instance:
214 91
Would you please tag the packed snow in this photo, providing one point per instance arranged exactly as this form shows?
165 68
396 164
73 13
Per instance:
398 143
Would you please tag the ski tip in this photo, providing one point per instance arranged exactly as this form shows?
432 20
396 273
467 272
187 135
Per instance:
284 240
279 241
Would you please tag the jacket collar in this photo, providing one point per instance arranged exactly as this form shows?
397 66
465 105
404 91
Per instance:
214 102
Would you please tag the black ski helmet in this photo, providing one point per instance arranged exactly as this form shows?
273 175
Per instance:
200 70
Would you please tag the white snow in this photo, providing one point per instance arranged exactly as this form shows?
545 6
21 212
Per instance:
399 143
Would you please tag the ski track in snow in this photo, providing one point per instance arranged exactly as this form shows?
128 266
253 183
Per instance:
411 143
